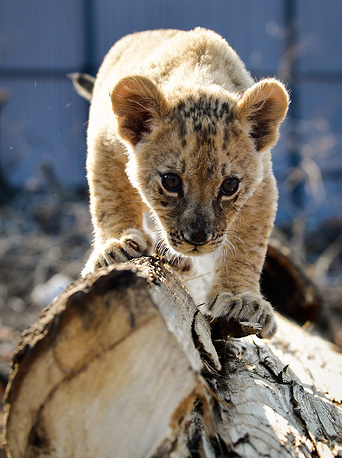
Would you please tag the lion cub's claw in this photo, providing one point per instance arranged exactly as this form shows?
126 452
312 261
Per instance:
242 314
132 244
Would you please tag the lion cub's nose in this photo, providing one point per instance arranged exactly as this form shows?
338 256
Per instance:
197 238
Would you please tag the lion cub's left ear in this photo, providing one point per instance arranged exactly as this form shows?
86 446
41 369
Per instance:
261 109
138 104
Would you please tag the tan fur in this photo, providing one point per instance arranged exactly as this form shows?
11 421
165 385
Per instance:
180 107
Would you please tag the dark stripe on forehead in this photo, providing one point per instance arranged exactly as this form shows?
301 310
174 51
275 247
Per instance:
203 107
201 115
206 137
182 132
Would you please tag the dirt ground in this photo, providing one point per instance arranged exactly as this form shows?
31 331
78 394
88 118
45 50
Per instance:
44 242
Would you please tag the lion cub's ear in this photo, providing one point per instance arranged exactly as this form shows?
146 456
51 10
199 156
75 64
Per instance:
261 109
137 103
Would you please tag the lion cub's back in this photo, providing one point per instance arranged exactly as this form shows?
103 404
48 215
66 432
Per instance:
164 55
129 53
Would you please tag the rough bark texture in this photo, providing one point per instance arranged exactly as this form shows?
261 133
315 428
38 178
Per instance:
122 364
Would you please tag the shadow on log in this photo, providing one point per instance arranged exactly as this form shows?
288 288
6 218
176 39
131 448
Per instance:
122 364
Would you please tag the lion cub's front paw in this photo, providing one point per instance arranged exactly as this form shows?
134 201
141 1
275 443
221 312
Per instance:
242 314
132 244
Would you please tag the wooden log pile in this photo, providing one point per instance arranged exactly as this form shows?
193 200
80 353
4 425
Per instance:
123 364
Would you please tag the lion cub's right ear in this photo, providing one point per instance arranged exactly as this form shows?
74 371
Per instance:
138 104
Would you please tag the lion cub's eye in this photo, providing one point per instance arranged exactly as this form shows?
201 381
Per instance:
171 182
230 186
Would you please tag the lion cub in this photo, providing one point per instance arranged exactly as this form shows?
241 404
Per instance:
178 128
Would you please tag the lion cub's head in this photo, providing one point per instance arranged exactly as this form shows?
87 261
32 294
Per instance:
196 157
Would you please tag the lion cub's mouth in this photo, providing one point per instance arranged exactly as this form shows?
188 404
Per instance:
193 249
198 250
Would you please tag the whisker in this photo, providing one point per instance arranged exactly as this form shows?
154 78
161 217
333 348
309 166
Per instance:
236 237
152 231
224 255
231 245
184 280
161 248
179 259
173 258
228 245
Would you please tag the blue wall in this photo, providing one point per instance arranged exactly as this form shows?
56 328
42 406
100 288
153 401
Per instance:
43 122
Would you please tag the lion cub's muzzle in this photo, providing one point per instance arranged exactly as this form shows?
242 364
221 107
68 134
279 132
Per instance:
198 231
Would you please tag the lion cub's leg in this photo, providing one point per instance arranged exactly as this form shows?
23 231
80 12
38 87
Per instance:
236 294
117 214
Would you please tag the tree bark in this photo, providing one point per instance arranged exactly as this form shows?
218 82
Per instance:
122 364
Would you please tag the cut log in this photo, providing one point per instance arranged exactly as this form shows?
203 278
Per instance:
104 373
122 365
